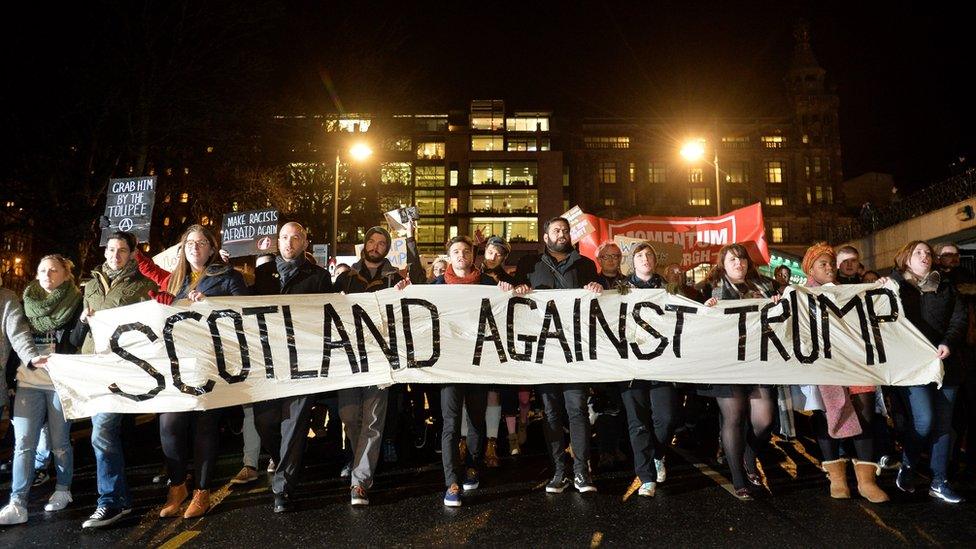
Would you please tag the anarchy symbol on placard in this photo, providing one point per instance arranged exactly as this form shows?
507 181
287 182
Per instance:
125 224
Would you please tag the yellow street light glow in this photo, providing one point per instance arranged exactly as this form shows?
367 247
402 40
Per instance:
360 151
693 150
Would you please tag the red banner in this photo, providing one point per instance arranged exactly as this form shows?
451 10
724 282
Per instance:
700 238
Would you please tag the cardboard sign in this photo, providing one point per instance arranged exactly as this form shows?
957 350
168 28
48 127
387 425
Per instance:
579 226
250 233
128 207
168 258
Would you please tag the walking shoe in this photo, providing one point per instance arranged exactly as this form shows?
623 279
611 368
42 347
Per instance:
161 478
281 503
272 466
346 471
389 451
104 516
647 489
943 491
471 480
199 505
491 453
744 494
59 500
582 483
40 478
421 439
558 484
514 447
905 481
662 471
246 475
13 513
463 448
452 497
358 497
174 500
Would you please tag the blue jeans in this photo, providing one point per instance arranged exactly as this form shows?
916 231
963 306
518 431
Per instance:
106 439
32 407
930 410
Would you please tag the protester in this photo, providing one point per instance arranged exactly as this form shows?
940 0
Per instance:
782 277
607 409
676 283
52 304
560 266
733 277
932 304
437 268
840 413
283 423
363 409
200 273
454 396
650 404
848 265
115 283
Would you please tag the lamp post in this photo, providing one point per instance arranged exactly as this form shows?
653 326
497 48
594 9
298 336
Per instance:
694 151
358 152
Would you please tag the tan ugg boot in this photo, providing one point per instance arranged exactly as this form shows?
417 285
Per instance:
199 505
837 473
867 482
491 453
174 500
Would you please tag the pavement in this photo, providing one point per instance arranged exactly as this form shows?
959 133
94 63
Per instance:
694 507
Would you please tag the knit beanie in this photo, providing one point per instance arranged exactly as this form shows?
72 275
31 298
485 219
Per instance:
381 231
843 256
815 251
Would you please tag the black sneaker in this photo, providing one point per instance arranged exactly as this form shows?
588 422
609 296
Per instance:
104 516
41 477
558 484
281 503
583 484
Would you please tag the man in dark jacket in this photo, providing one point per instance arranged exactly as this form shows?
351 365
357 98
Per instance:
560 266
283 423
363 409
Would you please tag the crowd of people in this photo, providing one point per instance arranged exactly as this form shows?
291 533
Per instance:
913 429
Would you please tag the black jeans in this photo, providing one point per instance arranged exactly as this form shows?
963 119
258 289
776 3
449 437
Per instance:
174 430
650 419
283 425
567 402
453 398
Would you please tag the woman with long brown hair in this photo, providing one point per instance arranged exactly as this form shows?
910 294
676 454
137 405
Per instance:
734 276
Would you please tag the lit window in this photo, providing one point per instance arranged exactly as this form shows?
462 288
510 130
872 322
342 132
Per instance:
527 124
735 142
395 173
656 172
430 202
431 231
632 172
738 172
209 148
609 201
430 151
454 178
695 175
773 141
774 171
699 196
774 197
454 205
429 176
487 143
184 197
503 173
608 172
600 142
779 232
512 229
508 201
737 201
347 125
521 144
399 143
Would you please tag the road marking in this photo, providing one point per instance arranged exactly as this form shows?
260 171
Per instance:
180 539
634 486
927 537
596 540
704 469
877 520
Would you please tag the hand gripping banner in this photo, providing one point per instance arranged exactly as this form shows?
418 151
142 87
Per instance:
236 350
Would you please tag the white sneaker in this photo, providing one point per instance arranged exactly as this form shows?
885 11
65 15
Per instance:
59 500
647 489
13 513
662 471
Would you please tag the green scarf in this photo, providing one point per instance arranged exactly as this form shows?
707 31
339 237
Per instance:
127 270
50 311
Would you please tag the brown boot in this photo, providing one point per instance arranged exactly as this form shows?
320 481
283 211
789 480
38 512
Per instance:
513 444
491 453
199 505
174 500
463 448
837 473
867 482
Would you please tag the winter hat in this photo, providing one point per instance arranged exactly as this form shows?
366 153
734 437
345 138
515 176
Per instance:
380 230
500 243
815 251
844 254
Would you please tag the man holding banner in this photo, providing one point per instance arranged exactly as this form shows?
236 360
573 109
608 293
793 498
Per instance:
282 423
560 266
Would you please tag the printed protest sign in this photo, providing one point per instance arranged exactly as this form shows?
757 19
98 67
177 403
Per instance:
579 226
250 233
129 207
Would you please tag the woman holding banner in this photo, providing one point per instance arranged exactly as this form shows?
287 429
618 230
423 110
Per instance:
933 306
53 305
735 277
200 273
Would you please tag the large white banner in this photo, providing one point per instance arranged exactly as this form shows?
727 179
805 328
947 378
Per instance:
235 350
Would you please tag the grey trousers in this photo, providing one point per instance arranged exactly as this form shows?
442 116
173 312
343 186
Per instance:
567 402
283 425
454 398
363 412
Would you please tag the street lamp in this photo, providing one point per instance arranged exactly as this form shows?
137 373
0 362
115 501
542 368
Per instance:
693 151
358 152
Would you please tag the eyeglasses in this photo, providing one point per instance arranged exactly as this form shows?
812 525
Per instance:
950 254
610 256
197 244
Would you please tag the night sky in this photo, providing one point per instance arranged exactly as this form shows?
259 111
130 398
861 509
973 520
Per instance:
901 75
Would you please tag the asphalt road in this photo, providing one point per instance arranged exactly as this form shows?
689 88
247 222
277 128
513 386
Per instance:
693 508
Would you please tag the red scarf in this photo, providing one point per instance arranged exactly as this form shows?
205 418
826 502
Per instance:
473 276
